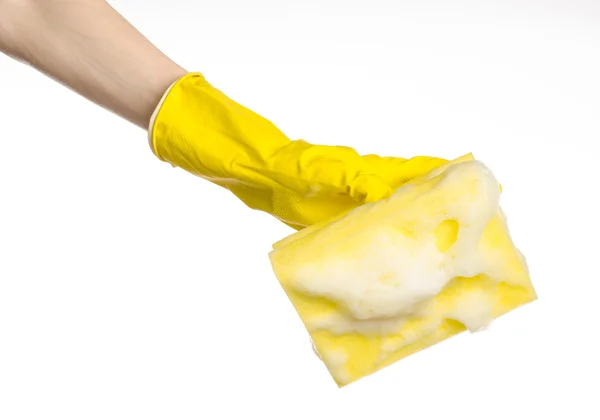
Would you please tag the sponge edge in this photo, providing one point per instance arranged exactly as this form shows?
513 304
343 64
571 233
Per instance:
388 279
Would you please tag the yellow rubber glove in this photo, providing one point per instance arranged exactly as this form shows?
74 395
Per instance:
199 129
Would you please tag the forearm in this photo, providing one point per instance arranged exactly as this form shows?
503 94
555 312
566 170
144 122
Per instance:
87 46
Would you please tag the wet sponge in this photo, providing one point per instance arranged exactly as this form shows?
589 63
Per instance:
387 279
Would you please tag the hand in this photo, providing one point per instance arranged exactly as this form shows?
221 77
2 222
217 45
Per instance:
198 128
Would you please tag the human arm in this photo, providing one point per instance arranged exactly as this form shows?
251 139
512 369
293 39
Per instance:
89 47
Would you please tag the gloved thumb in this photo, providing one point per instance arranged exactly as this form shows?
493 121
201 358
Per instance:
311 170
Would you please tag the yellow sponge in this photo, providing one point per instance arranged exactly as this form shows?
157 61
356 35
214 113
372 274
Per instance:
387 279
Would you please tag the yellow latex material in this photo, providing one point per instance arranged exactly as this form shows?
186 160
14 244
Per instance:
418 216
198 128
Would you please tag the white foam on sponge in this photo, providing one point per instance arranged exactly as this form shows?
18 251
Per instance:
401 266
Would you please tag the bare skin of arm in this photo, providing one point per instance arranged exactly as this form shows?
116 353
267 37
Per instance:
89 47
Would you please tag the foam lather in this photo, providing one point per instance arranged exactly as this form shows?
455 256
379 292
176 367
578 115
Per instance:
388 279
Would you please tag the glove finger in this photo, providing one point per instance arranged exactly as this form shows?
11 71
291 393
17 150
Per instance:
368 188
398 171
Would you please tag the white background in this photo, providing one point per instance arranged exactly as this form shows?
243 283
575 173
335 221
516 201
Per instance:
132 290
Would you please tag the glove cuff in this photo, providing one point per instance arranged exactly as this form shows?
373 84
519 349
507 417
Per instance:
153 117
